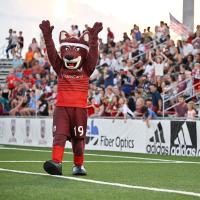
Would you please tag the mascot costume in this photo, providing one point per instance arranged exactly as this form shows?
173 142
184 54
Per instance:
73 66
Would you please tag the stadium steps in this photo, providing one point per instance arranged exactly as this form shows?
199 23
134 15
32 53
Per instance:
5 66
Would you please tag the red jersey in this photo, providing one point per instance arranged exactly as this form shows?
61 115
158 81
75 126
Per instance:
72 89
73 84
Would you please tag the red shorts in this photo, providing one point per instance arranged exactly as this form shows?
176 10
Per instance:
70 121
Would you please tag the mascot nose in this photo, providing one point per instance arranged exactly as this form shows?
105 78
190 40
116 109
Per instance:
69 57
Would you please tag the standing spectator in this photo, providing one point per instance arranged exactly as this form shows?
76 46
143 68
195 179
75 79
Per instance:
9 38
159 64
148 114
187 49
196 43
21 43
131 102
12 43
138 34
156 99
181 109
42 43
34 45
110 36
77 31
191 113
125 37
150 34
29 55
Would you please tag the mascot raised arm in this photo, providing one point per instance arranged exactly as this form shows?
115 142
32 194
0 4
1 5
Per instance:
76 62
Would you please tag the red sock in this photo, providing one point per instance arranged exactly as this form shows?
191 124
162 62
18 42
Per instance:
78 160
57 154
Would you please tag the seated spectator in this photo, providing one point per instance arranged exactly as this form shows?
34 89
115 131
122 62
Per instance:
17 62
108 76
139 105
43 106
123 110
92 107
4 105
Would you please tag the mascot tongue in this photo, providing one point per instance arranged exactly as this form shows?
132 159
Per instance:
72 64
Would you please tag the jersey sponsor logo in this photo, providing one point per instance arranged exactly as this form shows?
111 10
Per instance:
184 138
157 143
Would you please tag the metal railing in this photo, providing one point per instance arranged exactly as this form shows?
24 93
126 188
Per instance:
189 90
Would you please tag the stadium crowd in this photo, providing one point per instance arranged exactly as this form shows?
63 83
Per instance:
132 78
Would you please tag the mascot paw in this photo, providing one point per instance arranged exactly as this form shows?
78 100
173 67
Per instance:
95 29
46 27
79 170
52 167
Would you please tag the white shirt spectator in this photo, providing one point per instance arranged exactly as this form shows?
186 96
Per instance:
125 110
187 49
149 69
105 60
159 68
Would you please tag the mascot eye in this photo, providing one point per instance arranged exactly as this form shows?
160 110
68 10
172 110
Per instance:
77 49
67 48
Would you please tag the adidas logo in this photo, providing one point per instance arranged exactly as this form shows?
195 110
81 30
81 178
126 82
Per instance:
183 138
157 142
158 135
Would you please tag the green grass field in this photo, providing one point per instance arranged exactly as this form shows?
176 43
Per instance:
116 175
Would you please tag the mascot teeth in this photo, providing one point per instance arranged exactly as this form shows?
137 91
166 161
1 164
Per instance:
72 64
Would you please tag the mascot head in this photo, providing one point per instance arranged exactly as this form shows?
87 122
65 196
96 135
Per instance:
74 50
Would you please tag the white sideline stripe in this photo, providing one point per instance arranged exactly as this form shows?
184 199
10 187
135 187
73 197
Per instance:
104 155
88 161
107 183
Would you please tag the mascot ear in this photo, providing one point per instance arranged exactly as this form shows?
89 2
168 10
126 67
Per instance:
85 36
63 36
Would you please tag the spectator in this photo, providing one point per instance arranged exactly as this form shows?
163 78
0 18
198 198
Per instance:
131 102
43 106
156 99
34 45
187 48
148 114
110 35
21 43
123 110
29 55
12 42
191 113
181 109
107 76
